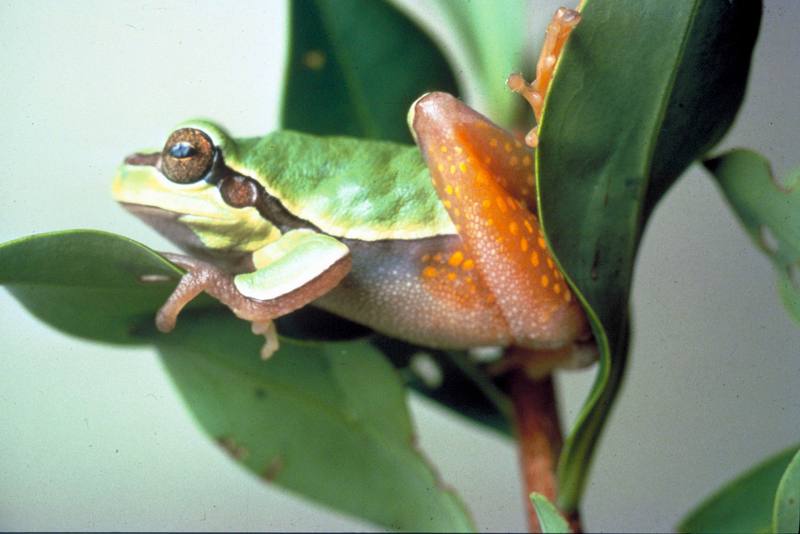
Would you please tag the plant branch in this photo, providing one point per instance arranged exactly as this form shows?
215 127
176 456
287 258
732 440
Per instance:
539 438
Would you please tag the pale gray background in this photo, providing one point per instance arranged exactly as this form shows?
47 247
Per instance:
95 437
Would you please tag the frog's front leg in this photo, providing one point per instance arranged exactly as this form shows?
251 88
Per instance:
289 273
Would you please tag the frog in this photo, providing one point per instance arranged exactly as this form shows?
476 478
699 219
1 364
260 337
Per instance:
437 244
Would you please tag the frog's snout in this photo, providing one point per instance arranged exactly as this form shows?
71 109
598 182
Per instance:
143 159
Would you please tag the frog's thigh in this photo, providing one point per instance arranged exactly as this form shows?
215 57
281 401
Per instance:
497 229
435 116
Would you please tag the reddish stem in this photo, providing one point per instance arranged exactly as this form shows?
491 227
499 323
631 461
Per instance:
539 437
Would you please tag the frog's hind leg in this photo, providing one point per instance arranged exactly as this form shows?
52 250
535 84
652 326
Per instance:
466 155
561 25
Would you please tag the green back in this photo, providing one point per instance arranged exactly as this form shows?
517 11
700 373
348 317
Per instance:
347 187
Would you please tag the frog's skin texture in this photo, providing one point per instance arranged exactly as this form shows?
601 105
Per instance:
437 245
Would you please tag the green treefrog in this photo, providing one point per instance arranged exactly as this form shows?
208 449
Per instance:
437 245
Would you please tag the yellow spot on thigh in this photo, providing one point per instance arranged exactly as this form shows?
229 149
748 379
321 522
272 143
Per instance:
462 166
489 222
526 161
468 265
447 204
507 146
528 226
517 144
486 203
535 259
542 243
501 204
523 244
451 276
512 203
545 280
448 189
452 169
567 296
440 167
550 263
557 288
493 142
443 148
458 192
457 149
429 272
513 228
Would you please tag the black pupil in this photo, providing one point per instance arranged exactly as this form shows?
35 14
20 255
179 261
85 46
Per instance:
182 150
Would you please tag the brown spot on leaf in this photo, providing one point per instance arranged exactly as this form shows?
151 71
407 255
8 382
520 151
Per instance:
595 262
236 451
273 468
314 59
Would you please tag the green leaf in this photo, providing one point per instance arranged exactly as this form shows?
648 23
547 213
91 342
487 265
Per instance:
769 211
328 421
355 67
550 520
708 88
743 505
786 510
88 283
614 134
493 34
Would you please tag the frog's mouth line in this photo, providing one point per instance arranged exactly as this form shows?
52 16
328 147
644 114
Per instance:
143 159
166 223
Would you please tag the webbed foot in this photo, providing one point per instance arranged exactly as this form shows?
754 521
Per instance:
561 25
204 277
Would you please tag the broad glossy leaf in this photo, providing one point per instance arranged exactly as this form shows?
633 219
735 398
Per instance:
786 510
550 520
328 421
612 139
355 67
493 35
743 505
707 90
89 283
769 211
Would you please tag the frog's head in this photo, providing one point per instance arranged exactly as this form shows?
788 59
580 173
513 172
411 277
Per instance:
189 194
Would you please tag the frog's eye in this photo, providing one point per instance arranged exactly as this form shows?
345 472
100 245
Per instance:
187 156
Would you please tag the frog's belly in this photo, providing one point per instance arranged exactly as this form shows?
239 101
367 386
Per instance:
426 291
